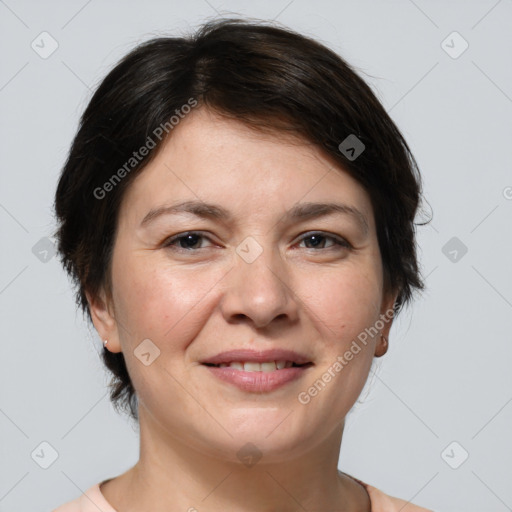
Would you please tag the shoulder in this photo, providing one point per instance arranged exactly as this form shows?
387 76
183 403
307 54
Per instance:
382 502
385 503
91 500
70 506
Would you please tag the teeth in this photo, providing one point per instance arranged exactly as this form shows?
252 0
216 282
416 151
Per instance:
252 367
267 366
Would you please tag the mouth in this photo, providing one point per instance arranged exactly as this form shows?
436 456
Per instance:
250 360
258 371
265 366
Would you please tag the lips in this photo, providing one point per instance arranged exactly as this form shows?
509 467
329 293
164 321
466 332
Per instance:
254 356
258 371
252 366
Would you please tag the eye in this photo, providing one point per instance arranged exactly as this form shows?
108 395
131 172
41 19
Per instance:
192 241
185 241
318 239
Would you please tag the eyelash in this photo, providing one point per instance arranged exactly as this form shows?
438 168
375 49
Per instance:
341 242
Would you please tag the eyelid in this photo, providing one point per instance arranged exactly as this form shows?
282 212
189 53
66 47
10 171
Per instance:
169 240
342 241
339 240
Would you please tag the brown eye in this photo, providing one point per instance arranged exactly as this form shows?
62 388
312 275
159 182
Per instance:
185 241
318 240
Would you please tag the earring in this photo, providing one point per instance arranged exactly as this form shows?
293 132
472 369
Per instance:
384 338
105 343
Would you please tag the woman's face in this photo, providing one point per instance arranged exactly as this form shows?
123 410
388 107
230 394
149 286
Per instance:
254 275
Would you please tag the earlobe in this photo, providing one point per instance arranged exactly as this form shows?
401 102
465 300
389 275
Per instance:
103 320
385 321
382 346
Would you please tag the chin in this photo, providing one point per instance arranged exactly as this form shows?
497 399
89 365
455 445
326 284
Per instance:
274 435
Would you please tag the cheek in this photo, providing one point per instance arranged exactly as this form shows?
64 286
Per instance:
343 307
343 303
162 302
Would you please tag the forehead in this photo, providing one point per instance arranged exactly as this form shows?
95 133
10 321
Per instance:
212 158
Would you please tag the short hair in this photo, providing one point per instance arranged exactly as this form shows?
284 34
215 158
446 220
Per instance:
266 76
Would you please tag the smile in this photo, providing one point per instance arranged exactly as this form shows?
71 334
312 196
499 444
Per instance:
252 366
253 377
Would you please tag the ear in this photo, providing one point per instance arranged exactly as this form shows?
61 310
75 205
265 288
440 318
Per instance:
104 320
387 313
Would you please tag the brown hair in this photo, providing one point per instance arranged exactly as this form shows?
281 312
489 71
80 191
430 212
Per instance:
268 77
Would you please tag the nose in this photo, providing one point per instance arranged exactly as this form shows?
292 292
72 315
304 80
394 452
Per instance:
259 292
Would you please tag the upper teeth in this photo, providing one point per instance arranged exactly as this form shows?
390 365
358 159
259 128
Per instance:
267 366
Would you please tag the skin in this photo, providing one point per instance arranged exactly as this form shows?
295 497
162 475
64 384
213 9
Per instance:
195 303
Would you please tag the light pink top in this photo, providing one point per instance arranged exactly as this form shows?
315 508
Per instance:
94 501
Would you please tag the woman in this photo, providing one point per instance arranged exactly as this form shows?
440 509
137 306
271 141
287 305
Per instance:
237 212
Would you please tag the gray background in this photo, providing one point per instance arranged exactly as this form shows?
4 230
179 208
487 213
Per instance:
447 375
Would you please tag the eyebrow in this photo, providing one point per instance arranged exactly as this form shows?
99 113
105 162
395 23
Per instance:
299 212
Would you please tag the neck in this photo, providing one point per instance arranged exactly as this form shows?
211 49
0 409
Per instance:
173 476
